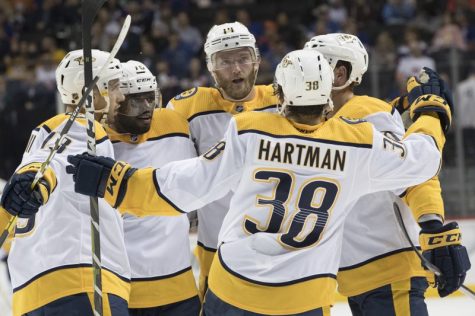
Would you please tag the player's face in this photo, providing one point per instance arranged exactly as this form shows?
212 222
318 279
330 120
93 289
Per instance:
235 71
115 95
134 114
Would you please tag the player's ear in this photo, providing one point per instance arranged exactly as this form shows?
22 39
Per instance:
99 100
340 75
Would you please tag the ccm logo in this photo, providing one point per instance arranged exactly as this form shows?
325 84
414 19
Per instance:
449 238
117 170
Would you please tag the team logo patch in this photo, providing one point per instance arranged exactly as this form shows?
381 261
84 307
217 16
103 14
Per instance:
186 94
80 60
286 62
352 121
239 108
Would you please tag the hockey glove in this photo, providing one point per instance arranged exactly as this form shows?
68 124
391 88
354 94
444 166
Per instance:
441 245
431 103
428 82
20 199
100 176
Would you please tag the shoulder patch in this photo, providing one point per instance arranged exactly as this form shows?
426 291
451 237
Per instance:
352 121
186 94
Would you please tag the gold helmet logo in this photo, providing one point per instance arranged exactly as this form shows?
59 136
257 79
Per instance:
286 62
80 60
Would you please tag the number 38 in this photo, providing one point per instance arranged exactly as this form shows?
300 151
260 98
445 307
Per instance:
311 85
314 203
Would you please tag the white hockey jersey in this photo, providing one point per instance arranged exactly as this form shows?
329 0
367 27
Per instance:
375 252
51 253
280 242
158 247
208 114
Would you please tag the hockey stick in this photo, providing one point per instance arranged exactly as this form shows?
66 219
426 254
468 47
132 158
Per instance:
426 263
89 6
69 123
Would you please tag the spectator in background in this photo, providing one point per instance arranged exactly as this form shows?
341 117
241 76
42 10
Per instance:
167 82
4 49
196 76
148 55
49 46
323 24
465 113
411 35
398 12
177 55
254 26
448 35
383 60
45 72
412 64
221 16
159 36
337 12
188 34
467 28
289 32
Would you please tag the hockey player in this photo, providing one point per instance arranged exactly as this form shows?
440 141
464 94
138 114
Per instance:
50 261
158 247
379 271
233 60
294 177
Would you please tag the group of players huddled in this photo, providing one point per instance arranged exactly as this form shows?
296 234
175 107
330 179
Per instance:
294 183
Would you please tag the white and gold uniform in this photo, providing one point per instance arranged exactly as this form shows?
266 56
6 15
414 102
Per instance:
280 242
375 252
51 256
158 247
208 114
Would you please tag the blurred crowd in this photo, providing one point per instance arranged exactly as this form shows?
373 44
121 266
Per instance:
401 36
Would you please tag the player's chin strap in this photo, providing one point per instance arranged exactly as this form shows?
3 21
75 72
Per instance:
347 83
464 289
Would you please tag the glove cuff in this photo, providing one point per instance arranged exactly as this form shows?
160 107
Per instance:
446 235
46 184
117 183
432 103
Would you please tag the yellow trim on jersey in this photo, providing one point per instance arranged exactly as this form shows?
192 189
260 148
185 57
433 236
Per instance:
5 218
425 198
400 292
143 198
205 259
164 122
270 300
57 120
430 125
360 106
146 294
48 176
380 272
335 129
64 282
210 100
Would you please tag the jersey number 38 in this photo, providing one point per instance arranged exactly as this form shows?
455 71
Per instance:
314 203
